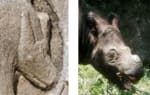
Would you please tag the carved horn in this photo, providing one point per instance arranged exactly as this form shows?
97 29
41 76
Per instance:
26 35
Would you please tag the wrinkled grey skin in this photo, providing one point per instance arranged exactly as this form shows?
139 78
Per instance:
101 42
110 43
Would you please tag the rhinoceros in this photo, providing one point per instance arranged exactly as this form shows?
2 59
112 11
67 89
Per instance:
101 45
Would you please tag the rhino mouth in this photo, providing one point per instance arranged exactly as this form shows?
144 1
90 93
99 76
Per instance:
127 80
132 78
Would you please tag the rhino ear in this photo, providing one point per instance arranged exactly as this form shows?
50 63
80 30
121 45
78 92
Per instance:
115 22
91 19
114 19
96 21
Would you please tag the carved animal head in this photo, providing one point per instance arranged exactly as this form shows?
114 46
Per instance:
110 54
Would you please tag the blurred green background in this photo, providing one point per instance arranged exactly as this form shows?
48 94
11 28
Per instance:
135 29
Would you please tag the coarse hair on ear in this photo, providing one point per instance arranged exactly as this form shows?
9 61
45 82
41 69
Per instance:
91 19
114 19
96 20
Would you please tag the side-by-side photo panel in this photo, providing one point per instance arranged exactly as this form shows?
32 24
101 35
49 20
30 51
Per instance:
114 47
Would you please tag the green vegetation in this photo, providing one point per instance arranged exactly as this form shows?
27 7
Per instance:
92 82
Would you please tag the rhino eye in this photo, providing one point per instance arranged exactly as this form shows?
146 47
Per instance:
105 34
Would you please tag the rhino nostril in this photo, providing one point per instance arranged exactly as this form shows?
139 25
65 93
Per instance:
138 73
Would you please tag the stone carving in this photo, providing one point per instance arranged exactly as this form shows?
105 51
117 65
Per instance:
31 49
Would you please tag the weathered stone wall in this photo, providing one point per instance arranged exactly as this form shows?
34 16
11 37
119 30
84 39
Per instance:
57 11
36 41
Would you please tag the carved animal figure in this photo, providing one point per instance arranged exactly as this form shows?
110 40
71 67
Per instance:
101 43
23 47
